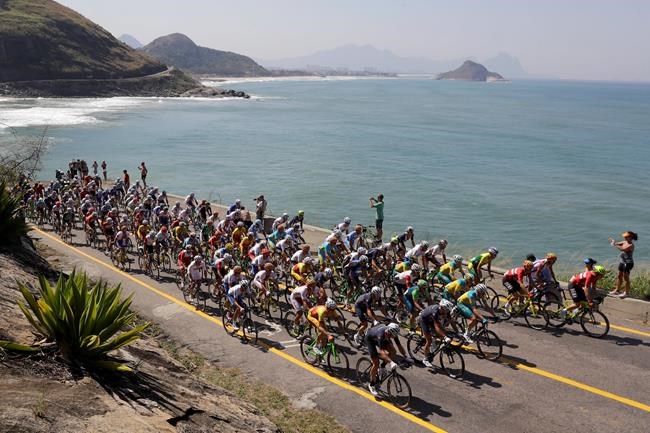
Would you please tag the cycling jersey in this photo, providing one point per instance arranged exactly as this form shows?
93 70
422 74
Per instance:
404 278
587 278
450 268
480 260
320 312
402 266
299 256
456 287
516 274
468 298
416 251
195 270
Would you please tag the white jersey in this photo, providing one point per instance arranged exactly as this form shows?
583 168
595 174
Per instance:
285 244
299 256
195 269
344 228
416 251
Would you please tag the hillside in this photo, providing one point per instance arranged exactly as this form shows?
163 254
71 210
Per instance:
43 40
470 71
180 51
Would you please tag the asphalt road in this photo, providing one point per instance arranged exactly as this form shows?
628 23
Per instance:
546 382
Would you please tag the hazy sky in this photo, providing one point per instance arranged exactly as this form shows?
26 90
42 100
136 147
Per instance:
588 39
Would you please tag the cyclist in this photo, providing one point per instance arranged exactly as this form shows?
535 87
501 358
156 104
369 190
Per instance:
301 254
514 282
298 219
192 240
122 240
476 263
68 217
257 229
379 341
263 278
236 295
581 287
405 279
190 201
300 299
352 273
184 259
413 297
363 309
327 252
467 306
323 277
195 272
355 238
453 290
301 271
344 227
418 251
276 236
282 220
148 245
221 267
432 319
317 316
589 263
408 235
235 206
142 230
259 261
446 272
238 233
232 278
246 243
543 274
437 250
180 233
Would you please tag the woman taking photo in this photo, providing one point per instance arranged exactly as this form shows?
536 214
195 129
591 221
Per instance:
626 247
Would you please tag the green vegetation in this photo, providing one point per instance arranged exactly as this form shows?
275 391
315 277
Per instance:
41 39
12 225
83 321
270 401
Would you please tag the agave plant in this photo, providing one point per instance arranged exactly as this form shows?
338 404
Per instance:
84 322
12 226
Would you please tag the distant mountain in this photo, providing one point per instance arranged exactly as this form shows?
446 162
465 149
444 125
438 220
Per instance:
360 58
507 65
130 41
470 71
180 51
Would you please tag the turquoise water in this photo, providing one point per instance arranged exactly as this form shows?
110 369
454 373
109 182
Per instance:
526 166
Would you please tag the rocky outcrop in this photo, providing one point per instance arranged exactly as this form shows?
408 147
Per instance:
214 92
180 51
470 71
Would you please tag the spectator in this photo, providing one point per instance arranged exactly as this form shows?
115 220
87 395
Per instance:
95 165
104 172
378 204
84 167
143 173
260 207
626 247
126 179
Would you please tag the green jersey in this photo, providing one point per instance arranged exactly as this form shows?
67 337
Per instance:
379 207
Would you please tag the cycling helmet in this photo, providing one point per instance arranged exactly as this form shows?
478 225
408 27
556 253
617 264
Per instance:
376 290
240 224
393 329
114 210
551 256
178 204
422 283
296 226
481 289
310 283
183 224
268 267
238 201
244 283
394 240
228 218
328 273
416 268
447 305
493 251
330 304
258 222
285 215
109 220
347 220
192 235
363 259
308 261
227 257
164 229
228 246
424 244
198 257
191 194
409 229
362 251
237 269
69 209
600 270
301 213
528 264
458 258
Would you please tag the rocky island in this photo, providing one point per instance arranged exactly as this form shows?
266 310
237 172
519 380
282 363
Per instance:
471 71
49 50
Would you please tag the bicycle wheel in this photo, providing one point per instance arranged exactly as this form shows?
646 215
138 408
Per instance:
363 371
273 310
452 362
489 345
338 364
399 390
227 323
186 293
155 270
179 280
142 263
201 300
115 259
289 324
307 346
165 263
415 346
351 329
534 316
594 323
501 307
249 329
553 314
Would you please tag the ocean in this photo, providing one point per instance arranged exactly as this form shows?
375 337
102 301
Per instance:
526 166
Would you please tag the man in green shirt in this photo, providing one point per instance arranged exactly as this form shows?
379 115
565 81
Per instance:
378 204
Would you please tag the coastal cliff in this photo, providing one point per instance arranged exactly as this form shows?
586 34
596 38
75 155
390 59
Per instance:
470 71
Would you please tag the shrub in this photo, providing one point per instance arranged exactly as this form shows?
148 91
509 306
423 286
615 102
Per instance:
12 224
84 322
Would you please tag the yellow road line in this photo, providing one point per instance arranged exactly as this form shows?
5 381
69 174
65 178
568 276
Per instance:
630 330
286 356
345 385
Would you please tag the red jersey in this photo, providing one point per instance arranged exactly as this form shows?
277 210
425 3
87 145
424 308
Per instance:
516 274
185 258
583 279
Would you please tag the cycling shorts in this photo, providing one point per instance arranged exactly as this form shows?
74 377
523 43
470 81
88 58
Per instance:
465 310
444 279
